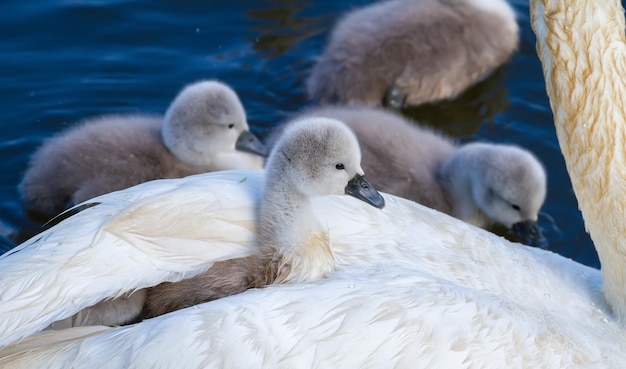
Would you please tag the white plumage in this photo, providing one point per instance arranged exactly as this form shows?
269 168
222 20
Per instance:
386 316
133 239
413 286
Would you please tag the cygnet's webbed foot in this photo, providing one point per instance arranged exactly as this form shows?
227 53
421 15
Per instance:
529 233
394 98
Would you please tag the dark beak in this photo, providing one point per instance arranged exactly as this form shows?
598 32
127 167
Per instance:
362 189
248 142
529 233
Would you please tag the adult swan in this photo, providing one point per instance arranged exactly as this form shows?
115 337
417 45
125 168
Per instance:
441 294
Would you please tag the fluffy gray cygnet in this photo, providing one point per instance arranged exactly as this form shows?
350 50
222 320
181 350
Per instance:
408 52
204 129
314 157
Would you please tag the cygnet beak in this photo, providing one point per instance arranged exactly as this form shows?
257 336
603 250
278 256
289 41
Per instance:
248 142
361 188
529 233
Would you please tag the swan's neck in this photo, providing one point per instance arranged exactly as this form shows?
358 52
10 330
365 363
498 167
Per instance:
581 45
459 185
287 228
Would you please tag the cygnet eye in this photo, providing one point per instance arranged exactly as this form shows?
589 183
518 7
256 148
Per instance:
516 207
230 126
339 166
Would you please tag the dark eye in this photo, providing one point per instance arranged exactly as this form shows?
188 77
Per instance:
516 207
340 166
230 126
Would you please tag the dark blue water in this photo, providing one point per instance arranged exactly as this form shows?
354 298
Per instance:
62 61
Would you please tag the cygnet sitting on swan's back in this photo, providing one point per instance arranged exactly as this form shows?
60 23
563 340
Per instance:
407 52
314 157
481 183
204 129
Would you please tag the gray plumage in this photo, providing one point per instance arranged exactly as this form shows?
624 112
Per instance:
197 134
427 49
480 183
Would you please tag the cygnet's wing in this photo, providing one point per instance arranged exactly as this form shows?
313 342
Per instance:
158 231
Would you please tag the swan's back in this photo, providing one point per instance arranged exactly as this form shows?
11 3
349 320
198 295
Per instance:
136 238
401 273
388 315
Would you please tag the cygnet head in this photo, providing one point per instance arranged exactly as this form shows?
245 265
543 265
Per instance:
206 126
317 157
507 183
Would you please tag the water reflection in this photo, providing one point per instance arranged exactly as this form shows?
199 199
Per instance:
283 27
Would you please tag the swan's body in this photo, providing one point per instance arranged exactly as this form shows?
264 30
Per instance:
113 152
413 286
424 50
425 290
480 183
